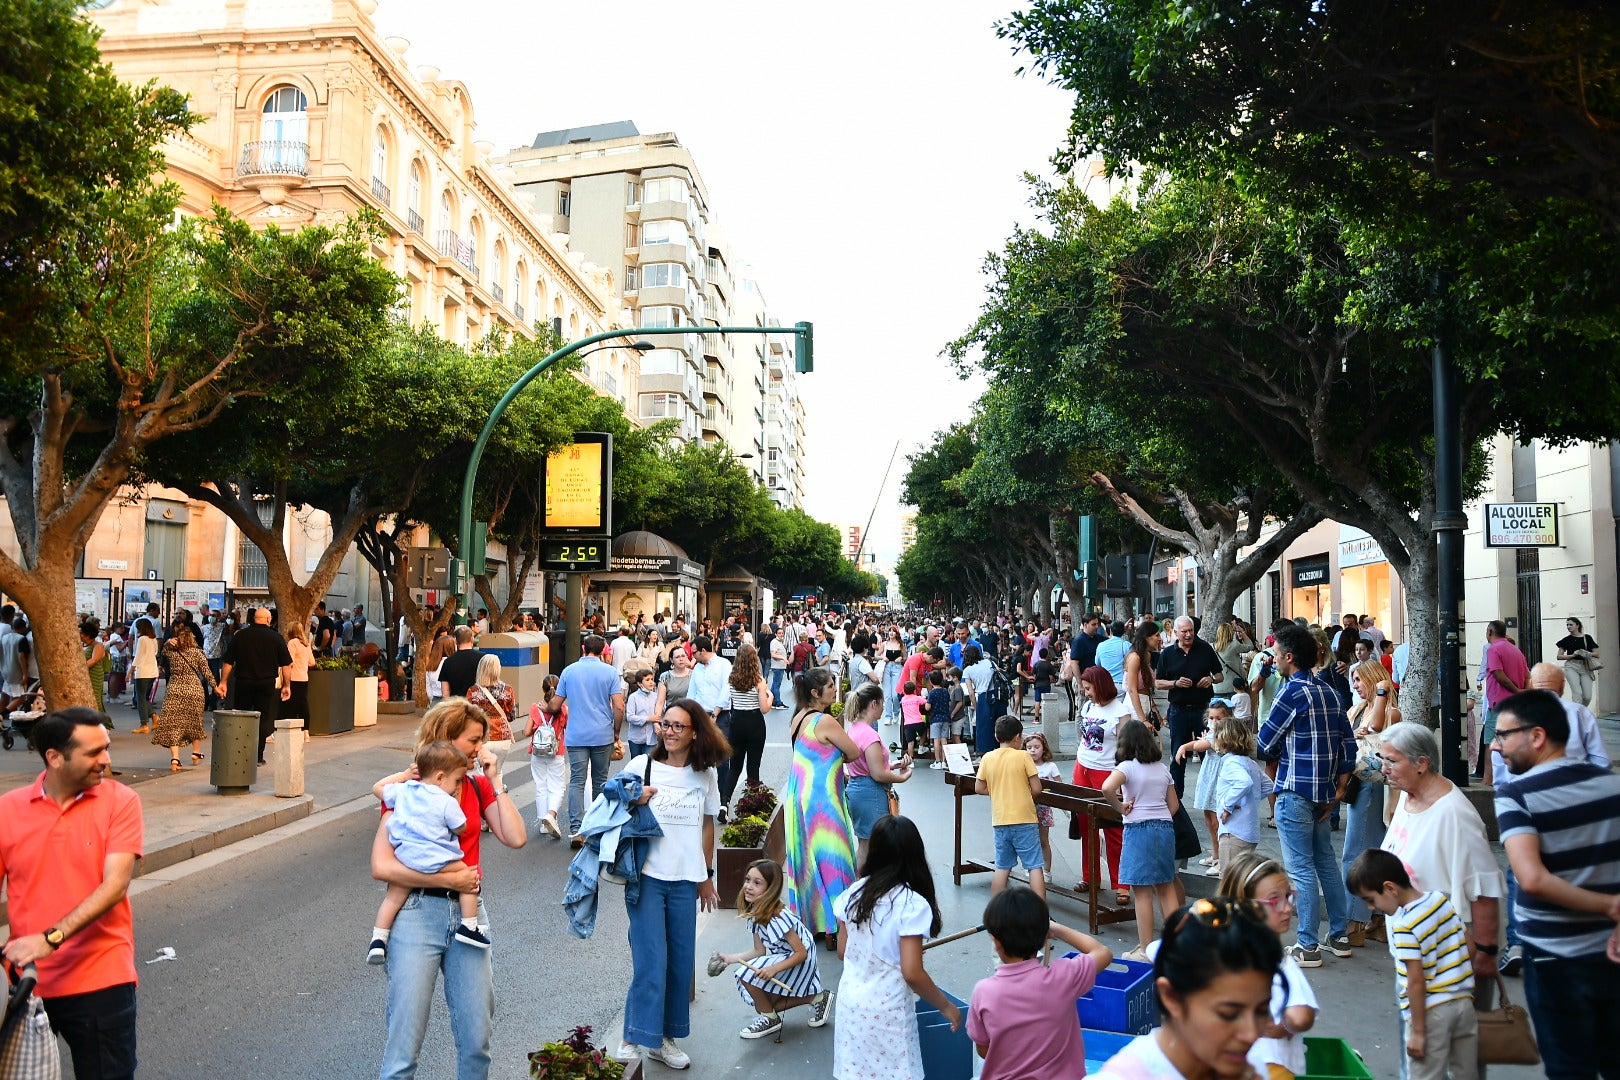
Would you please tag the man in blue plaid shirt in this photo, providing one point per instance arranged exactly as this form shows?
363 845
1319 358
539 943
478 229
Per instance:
1309 737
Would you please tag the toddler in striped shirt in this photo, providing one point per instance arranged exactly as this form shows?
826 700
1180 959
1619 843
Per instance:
1434 973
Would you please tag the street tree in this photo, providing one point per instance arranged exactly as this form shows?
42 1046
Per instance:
121 330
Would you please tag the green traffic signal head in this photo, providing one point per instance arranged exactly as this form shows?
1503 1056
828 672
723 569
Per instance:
805 355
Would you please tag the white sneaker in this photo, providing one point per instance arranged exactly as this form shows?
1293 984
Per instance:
1213 871
627 1052
549 824
669 1054
938 765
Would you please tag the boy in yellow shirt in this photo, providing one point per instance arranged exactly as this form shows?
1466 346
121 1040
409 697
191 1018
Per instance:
1007 774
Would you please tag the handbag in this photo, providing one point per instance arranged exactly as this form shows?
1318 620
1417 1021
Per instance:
1369 766
1505 1034
27 1043
894 801
1188 846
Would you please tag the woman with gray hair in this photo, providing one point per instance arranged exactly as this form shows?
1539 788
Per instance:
1439 837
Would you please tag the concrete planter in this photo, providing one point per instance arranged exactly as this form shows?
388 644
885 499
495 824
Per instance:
331 701
365 701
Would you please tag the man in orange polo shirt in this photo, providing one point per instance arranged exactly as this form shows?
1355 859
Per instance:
68 845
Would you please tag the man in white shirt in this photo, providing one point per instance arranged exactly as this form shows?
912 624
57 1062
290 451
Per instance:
623 649
1369 630
711 675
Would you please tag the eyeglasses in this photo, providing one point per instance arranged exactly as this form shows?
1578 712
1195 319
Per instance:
668 725
1289 899
1502 733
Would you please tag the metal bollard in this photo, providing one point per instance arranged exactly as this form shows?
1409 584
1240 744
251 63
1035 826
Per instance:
287 754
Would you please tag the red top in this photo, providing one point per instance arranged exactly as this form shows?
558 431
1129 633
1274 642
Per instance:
477 794
558 720
916 670
52 858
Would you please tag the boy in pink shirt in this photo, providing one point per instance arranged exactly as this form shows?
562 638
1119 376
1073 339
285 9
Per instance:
1022 1019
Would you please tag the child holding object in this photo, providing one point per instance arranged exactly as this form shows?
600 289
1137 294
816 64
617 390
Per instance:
1279 1052
1141 789
1008 775
423 830
882 920
780 971
1434 971
912 724
1022 1019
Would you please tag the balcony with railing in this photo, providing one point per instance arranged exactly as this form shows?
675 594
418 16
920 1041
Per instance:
517 310
414 222
380 191
499 293
272 166
452 246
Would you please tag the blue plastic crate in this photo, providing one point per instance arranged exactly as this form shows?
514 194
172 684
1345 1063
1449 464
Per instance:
1102 1045
1122 1001
946 1054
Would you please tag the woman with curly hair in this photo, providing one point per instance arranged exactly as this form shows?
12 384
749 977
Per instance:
750 700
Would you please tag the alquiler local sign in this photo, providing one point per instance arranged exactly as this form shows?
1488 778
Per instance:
1521 524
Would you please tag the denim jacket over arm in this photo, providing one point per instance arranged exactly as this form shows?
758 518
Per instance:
616 833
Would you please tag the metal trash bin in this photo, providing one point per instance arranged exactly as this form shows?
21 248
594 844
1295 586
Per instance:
235 767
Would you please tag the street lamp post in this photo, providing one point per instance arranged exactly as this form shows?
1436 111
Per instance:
803 331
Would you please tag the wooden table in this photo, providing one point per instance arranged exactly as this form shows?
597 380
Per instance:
1097 812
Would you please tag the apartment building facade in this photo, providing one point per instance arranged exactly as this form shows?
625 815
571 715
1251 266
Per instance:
637 204
307 116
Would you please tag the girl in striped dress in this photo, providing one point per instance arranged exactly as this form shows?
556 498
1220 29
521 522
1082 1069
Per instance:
820 839
780 971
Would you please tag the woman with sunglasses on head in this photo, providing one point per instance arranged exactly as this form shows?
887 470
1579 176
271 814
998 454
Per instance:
677 877
1213 975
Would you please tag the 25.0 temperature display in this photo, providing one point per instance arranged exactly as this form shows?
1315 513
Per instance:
574 555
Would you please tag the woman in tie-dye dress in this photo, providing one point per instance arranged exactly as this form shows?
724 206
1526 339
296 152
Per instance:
820 860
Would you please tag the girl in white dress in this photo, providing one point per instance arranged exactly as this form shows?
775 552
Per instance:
780 971
882 920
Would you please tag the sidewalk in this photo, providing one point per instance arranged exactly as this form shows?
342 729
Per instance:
185 817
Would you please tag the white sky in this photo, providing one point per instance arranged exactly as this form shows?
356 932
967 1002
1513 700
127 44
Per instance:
862 157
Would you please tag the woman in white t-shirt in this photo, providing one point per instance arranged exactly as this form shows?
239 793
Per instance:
1215 969
1099 724
677 877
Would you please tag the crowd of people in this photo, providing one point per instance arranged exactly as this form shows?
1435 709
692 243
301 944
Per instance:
1297 730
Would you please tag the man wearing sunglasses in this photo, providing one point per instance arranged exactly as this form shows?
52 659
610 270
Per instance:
1560 823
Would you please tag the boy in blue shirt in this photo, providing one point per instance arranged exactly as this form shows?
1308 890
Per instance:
939 716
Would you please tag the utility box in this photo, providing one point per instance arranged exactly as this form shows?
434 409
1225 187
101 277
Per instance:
235 767
525 657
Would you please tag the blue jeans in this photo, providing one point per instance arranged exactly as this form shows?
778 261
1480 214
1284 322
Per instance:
1365 830
891 690
663 939
1571 1003
1307 848
1513 908
423 945
777 674
579 757
143 700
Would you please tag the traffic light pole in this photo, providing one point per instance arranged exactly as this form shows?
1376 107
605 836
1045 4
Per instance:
461 580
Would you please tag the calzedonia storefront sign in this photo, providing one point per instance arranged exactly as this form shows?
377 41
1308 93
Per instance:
1521 524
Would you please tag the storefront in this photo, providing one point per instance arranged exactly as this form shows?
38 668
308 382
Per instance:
1367 585
1311 588
647 575
730 589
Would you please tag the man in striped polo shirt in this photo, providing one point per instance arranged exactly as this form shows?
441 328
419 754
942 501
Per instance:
1560 822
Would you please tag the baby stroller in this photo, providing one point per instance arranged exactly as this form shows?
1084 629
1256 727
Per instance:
25 711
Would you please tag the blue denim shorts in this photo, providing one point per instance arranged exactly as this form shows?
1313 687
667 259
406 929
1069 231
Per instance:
868 800
1019 844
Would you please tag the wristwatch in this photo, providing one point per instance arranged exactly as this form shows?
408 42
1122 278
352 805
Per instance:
54 938
1488 950
1382 693
711 873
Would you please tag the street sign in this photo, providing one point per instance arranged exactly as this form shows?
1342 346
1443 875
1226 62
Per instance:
1519 525
575 554
578 485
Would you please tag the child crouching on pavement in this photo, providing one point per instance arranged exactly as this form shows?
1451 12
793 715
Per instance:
1022 1019
423 830
787 975
1434 973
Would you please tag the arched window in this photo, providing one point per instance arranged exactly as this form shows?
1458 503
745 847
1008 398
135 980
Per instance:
284 132
413 197
447 220
497 271
380 171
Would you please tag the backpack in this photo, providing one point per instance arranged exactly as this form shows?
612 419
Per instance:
801 656
999 694
545 735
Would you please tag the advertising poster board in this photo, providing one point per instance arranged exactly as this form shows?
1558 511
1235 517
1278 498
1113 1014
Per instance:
93 596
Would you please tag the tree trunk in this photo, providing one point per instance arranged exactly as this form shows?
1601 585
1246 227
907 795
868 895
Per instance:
46 596
1421 579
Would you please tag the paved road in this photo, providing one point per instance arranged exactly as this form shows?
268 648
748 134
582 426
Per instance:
270 978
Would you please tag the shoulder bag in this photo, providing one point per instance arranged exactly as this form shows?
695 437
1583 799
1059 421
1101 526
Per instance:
1505 1035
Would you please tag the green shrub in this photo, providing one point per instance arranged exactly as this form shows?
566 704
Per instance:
745 832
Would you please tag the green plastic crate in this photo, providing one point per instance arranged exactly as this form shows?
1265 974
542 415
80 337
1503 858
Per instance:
1332 1059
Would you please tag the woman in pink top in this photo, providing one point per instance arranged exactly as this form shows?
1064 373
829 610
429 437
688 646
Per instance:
303 658
869 775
